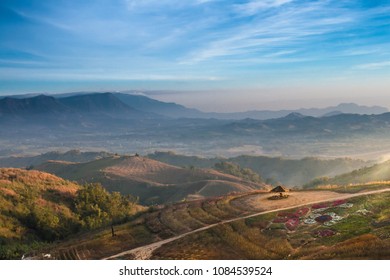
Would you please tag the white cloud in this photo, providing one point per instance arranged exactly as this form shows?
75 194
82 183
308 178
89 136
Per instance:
204 1
374 65
133 5
285 28
141 4
253 7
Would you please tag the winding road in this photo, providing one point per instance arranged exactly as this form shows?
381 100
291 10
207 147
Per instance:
145 252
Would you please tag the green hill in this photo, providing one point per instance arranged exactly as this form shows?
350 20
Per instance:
31 161
37 208
154 182
359 230
291 172
375 173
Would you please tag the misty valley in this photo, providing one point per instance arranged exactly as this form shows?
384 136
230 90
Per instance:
125 123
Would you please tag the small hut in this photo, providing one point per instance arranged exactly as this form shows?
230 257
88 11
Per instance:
280 190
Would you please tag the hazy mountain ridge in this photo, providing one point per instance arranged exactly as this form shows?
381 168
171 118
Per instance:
150 105
72 107
103 122
343 108
40 104
174 110
98 102
293 124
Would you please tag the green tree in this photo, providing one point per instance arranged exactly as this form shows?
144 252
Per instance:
96 207
234 169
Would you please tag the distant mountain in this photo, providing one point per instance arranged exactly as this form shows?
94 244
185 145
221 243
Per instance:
293 116
95 103
40 104
352 108
103 105
113 101
102 121
344 108
332 113
170 109
77 108
293 124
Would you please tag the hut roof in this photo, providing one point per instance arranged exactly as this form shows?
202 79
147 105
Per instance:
279 189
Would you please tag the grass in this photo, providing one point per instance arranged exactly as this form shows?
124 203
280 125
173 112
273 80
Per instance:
197 213
371 186
33 204
225 206
357 234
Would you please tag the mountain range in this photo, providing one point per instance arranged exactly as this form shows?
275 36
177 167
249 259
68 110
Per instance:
94 103
114 102
123 123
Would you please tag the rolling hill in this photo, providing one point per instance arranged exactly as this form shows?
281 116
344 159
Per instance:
71 156
151 180
292 172
34 207
249 226
376 173
37 208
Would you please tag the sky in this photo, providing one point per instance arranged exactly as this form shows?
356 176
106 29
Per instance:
210 54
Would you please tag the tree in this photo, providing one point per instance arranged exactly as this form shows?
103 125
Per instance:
236 170
97 207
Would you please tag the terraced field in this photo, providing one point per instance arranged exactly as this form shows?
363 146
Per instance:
359 229
154 226
231 227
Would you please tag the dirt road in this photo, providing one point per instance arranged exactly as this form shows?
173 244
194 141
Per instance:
145 252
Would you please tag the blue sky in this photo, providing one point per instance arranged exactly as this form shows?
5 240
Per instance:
252 54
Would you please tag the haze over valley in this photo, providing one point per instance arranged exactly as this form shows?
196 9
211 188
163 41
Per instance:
125 123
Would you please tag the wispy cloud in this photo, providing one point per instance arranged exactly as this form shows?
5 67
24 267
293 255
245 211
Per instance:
199 40
204 1
374 65
252 7
285 28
